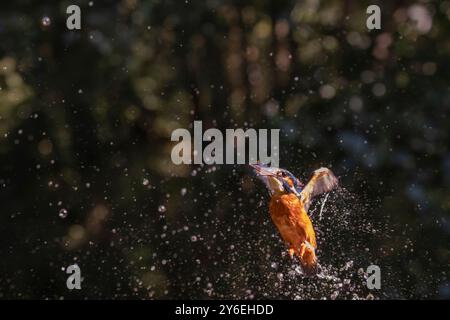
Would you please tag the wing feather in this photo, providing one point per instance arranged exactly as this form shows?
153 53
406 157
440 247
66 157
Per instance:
322 180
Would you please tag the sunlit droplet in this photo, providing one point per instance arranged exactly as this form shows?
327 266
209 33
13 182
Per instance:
46 21
63 213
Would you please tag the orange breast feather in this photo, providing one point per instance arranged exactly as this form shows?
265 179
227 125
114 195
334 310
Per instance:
295 227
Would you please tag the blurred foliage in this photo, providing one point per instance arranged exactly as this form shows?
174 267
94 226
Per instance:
85 124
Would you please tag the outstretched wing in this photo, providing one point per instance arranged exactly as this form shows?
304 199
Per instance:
323 180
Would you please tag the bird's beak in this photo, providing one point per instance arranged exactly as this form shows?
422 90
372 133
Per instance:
263 170
273 182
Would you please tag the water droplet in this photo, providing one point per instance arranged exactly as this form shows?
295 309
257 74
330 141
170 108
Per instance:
145 182
183 191
193 238
46 21
334 295
162 208
63 213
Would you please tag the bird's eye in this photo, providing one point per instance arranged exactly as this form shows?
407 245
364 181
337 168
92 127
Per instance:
282 174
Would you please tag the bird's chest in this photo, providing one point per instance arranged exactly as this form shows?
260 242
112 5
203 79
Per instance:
291 219
285 209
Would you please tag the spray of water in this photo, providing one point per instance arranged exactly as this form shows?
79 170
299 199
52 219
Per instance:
345 232
233 253
323 205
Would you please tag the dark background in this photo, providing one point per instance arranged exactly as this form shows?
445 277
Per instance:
85 124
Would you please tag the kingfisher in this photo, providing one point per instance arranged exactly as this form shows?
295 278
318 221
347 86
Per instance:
288 207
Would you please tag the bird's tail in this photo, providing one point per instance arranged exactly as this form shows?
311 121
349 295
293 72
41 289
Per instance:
308 259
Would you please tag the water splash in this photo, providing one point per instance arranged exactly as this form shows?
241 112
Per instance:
323 205
341 273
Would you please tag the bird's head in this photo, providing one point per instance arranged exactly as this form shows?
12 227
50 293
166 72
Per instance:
278 180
